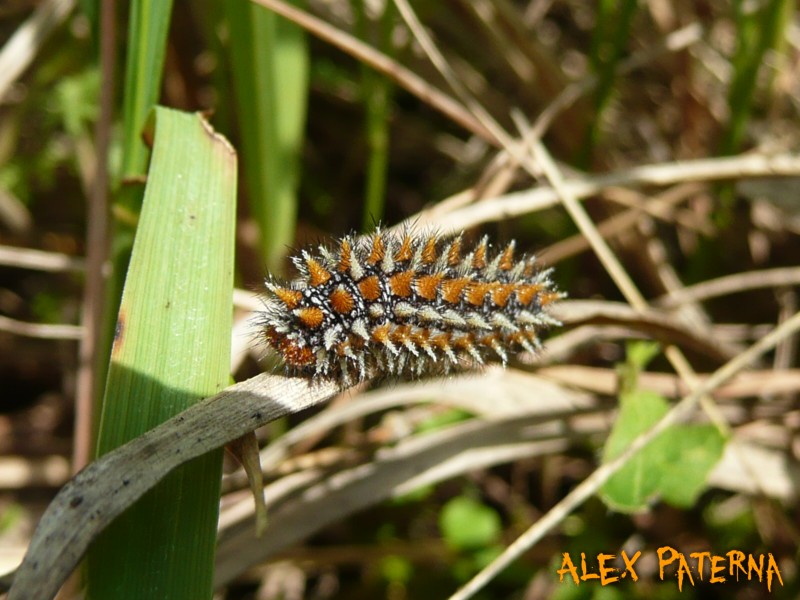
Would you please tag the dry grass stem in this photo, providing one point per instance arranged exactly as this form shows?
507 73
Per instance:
39 330
20 50
28 258
731 284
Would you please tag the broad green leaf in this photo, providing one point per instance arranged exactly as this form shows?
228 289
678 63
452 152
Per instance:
172 348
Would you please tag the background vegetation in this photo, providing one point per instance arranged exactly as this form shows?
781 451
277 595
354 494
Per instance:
674 123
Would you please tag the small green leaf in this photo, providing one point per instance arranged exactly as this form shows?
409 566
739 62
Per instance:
691 451
634 486
639 354
674 466
396 569
416 495
467 524
444 419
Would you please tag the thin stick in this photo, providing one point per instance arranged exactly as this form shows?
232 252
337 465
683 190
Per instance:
97 219
618 224
619 275
39 330
39 260
731 284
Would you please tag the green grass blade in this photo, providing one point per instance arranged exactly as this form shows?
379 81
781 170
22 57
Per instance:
377 95
172 348
144 66
757 33
269 61
611 35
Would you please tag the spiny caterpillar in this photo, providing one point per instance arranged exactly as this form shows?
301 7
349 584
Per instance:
405 305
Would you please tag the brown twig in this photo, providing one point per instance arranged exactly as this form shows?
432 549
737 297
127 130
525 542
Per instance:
97 249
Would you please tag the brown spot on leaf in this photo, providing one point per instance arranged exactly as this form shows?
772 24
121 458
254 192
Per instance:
119 335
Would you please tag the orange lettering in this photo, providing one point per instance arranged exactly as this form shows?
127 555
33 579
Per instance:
736 557
567 567
683 568
663 563
772 566
751 566
604 571
716 567
584 574
700 558
629 565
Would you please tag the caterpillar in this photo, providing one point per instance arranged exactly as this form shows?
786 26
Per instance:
405 305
